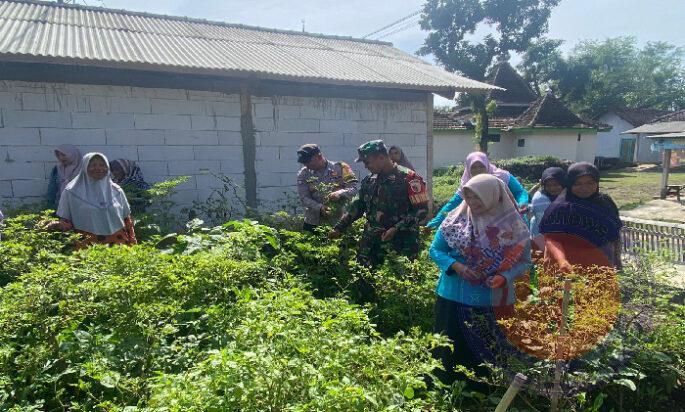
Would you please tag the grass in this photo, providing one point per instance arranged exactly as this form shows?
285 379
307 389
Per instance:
628 189
631 189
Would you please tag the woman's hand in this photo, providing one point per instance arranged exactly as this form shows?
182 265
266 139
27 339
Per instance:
496 282
465 272
389 234
565 267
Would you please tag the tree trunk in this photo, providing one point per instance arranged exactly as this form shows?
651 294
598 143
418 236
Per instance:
484 138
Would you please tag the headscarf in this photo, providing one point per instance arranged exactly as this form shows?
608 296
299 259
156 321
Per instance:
552 173
481 157
404 161
491 242
132 174
69 172
94 206
594 219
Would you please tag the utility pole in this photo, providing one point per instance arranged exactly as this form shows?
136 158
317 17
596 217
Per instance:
302 25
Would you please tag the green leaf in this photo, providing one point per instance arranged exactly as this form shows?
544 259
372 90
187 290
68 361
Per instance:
409 392
627 383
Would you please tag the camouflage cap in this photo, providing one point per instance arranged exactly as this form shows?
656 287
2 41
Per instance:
306 152
369 148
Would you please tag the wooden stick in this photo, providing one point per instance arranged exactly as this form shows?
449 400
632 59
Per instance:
562 332
511 392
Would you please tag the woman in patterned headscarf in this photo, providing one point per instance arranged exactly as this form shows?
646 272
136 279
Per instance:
481 248
478 163
127 173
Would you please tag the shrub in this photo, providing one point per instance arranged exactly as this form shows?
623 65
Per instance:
290 351
25 247
527 168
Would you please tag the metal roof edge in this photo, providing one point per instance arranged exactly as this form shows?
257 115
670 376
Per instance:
198 20
236 74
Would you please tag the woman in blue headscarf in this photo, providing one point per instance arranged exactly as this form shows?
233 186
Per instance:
582 227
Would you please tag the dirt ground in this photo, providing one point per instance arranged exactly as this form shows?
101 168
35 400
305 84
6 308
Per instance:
664 210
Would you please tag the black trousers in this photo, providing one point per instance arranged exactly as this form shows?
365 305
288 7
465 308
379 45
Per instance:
309 227
476 337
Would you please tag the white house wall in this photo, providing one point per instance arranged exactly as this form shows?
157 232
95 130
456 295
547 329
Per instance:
561 144
175 132
452 148
609 143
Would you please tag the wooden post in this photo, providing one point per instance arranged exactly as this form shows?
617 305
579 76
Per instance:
666 166
513 389
429 151
556 391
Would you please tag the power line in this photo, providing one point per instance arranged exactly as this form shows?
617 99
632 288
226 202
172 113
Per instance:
399 29
403 19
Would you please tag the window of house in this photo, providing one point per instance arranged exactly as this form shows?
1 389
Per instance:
495 137
522 143
579 137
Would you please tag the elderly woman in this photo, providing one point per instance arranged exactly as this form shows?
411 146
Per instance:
95 207
582 226
480 248
477 163
68 167
397 155
127 173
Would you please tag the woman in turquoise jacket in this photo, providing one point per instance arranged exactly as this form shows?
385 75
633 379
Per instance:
478 163
480 248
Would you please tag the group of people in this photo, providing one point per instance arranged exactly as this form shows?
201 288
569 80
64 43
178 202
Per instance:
86 192
485 236
484 239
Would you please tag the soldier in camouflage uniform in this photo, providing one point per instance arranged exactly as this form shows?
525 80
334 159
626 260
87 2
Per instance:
324 187
394 200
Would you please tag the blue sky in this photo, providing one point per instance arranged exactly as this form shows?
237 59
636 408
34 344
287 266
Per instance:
572 20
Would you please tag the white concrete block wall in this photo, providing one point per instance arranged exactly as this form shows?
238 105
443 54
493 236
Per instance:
339 126
169 132
173 132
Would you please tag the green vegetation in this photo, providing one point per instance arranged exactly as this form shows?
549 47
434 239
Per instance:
245 316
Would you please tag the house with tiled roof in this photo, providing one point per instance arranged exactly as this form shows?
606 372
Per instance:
630 148
198 98
521 124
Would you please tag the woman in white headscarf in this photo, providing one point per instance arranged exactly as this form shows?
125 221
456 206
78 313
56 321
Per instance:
95 207
481 248
68 167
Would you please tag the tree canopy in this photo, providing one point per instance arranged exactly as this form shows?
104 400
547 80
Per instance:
598 76
452 25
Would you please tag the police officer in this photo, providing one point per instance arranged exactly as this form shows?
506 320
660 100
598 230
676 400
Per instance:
394 200
324 187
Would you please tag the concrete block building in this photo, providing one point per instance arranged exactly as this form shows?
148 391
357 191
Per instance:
195 98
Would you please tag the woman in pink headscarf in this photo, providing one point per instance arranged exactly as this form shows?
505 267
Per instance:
69 166
478 163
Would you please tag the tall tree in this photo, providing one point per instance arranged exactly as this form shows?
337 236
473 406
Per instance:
540 61
598 76
452 24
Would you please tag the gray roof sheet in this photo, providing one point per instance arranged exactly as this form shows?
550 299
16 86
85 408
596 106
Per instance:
32 31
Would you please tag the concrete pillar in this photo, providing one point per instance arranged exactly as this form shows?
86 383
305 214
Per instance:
664 174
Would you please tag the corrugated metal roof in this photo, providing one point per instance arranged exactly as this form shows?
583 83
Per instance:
89 36
658 127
